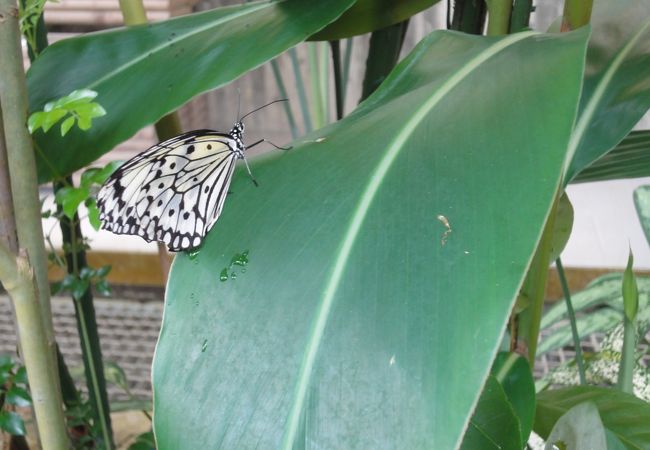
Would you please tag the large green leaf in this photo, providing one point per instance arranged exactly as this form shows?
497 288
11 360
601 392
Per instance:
623 414
616 92
514 374
384 254
370 15
143 73
629 159
578 428
494 425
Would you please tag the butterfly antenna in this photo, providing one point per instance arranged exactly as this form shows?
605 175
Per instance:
263 106
238 103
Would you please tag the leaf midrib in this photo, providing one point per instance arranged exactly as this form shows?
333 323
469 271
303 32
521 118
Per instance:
360 212
180 37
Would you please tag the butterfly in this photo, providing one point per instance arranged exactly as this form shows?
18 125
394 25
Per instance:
174 192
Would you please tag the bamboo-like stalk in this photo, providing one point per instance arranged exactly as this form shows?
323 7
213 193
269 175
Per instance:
300 87
498 17
8 235
520 18
283 94
577 13
315 84
134 13
383 54
21 160
346 67
468 16
338 77
534 286
18 279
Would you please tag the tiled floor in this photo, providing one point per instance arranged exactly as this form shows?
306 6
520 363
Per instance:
129 329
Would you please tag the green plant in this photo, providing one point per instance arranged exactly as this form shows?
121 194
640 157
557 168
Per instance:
13 393
385 252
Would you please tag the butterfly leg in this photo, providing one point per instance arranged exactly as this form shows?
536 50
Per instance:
250 173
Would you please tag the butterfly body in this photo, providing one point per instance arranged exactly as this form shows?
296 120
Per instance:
174 191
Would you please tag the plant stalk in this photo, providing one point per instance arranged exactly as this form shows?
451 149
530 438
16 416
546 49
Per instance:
469 16
8 236
283 94
75 257
498 17
346 67
300 87
572 321
383 54
18 279
628 356
577 13
134 13
338 77
534 286
315 85
21 160
520 18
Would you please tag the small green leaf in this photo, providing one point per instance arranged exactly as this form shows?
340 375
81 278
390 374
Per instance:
84 122
21 376
630 290
103 287
103 271
78 288
145 441
35 121
66 125
70 198
93 213
52 117
18 396
12 423
86 273
90 110
116 375
75 98
98 175
6 366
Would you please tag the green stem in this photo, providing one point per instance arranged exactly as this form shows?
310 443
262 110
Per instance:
469 16
498 17
338 77
17 278
21 160
323 81
520 18
535 285
572 321
283 94
383 54
300 87
346 66
628 357
75 257
577 13
314 77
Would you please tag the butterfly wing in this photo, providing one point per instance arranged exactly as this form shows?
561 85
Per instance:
174 192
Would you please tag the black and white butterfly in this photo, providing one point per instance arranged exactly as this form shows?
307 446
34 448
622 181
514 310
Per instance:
174 191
